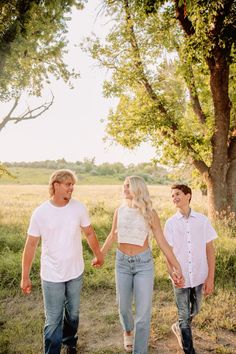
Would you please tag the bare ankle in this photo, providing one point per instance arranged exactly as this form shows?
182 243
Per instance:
128 333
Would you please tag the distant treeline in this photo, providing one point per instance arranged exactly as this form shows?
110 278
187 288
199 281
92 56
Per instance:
152 173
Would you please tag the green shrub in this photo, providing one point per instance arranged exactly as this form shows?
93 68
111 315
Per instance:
11 238
10 272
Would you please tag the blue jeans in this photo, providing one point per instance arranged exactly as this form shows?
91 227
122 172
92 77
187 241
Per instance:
134 280
61 306
188 301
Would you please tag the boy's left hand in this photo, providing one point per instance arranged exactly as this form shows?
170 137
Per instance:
208 287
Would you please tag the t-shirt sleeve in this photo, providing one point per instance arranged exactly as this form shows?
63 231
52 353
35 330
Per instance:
168 233
84 217
33 229
210 232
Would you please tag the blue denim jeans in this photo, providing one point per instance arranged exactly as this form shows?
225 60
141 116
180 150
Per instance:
61 306
134 281
188 301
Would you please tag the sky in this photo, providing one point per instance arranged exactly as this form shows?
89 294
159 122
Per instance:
72 127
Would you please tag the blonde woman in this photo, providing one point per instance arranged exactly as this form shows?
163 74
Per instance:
132 223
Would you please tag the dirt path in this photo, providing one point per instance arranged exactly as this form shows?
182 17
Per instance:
99 329
100 332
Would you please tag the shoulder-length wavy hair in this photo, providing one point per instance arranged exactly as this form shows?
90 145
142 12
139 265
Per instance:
141 198
60 176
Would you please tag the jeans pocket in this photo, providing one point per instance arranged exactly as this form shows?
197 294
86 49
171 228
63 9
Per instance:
119 258
146 258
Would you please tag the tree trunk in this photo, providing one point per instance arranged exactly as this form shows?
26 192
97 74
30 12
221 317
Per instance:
231 189
231 176
221 194
216 196
220 175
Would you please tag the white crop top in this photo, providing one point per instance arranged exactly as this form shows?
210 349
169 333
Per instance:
131 226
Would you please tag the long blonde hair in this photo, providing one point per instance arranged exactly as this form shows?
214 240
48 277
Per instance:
60 176
141 198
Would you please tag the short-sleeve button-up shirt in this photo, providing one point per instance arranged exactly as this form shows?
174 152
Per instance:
188 236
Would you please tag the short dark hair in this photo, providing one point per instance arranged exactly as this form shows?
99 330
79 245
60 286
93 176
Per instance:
184 188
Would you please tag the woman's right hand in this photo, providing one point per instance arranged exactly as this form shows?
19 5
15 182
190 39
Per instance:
178 278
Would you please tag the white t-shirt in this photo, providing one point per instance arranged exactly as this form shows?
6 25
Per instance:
131 226
188 237
59 229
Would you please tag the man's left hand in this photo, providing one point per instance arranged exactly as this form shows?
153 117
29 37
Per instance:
97 262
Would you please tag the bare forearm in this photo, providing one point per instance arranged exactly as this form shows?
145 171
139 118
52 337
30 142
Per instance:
28 257
112 237
26 265
93 244
211 261
169 267
163 244
27 260
208 286
169 254
107 244
173 265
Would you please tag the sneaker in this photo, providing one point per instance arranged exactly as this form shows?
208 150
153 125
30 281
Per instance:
71 350
176 330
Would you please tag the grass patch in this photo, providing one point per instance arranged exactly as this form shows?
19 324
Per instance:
22 318
31 176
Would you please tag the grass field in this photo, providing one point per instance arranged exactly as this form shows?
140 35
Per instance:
21 318
28 175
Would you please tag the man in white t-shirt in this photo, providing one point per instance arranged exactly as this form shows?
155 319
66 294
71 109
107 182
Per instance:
191 236
58 222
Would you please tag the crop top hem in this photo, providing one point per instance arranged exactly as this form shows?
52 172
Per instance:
134 241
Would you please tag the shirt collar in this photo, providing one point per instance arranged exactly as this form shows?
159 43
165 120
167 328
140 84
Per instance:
179 215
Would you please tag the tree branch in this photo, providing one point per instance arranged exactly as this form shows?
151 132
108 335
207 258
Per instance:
194 97
137 58
140 67
220 16
17 25
201 167
183 19
28 114
139 64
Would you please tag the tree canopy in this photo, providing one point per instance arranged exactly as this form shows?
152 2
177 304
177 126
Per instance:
173 68
33 44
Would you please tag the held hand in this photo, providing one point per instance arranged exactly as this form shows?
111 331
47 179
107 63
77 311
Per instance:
26 286
208 287
178 279
95 263
98 261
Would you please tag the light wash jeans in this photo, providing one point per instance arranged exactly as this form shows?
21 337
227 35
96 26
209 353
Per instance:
134 281
188 301
61 306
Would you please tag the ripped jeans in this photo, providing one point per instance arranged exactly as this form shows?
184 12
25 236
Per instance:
188 301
